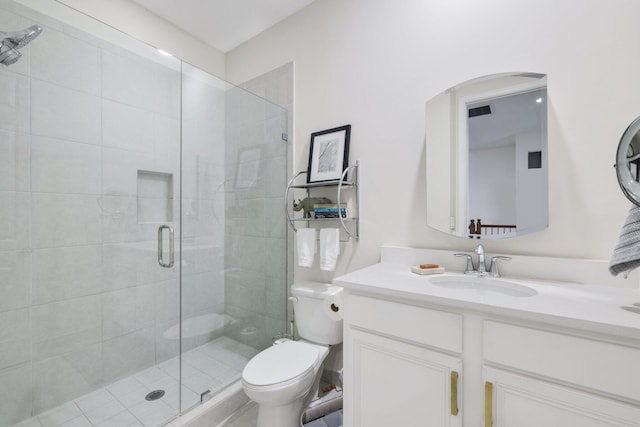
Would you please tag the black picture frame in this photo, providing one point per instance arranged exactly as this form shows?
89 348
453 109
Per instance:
328 154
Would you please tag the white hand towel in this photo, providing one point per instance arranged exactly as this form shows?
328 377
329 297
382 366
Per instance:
626 255
306 244
329 248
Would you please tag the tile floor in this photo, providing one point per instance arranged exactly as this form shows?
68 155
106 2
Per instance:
211 366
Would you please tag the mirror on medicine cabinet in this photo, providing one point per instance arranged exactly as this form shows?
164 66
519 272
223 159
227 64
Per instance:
486 157
628 162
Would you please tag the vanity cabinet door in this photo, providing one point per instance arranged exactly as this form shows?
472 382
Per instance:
393 383
513 400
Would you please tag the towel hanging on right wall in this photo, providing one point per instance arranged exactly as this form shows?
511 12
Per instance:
626 254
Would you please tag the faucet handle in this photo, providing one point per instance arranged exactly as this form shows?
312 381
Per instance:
469 268
493 270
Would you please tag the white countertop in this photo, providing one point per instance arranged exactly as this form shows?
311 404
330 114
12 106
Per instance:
590 308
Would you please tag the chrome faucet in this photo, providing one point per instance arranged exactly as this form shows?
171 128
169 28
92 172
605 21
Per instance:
470 269
482 267
481 270
493 270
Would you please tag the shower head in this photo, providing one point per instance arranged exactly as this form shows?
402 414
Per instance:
12 41
9 56
19 39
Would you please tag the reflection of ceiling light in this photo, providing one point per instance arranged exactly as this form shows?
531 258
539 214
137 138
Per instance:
539 100
165 53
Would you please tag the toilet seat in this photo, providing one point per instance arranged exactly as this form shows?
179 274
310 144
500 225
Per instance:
279 364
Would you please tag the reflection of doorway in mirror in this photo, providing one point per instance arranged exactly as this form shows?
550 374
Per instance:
633 168
503 189
492 184
633 160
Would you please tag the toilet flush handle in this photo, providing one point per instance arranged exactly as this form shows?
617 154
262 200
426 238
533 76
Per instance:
293 299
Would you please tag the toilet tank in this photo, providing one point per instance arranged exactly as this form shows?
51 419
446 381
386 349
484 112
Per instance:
315 319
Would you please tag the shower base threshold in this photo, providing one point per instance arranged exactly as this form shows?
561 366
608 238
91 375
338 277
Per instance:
247 415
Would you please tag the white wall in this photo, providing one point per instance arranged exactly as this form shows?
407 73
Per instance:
492 185
135 21
374 63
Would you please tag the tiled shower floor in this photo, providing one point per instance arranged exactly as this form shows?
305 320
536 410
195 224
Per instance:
211 366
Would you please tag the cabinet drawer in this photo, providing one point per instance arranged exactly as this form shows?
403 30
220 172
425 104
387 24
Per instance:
607 367
425 326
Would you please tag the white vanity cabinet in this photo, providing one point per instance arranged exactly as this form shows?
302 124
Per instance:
408 364
392 377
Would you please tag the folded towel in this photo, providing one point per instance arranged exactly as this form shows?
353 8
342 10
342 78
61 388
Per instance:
626 255
329 248
306 244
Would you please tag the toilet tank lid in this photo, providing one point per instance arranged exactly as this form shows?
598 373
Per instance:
314 289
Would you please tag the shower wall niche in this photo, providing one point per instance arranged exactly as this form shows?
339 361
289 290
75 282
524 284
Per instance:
155 197
100 144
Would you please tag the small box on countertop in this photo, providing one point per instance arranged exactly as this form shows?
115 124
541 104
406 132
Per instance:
433 270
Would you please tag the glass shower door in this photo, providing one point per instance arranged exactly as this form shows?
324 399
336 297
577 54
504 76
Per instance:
140 213
233 242
89 169
106 148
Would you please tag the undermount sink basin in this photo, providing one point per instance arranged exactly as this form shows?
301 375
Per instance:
484 285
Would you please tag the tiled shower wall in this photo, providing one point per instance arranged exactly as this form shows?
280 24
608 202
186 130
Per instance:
89 167
255 232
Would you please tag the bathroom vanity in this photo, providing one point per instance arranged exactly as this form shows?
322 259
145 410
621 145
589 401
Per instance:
457 350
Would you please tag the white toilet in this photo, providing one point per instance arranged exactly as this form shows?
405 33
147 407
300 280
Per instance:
284 378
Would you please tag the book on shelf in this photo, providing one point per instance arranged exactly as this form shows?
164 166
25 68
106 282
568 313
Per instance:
329 215
328 211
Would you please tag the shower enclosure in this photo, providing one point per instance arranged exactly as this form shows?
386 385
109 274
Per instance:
142 239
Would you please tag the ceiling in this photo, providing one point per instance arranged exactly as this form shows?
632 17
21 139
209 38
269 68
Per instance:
510 115
224 24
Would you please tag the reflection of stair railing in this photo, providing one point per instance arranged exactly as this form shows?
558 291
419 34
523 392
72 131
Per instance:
477 229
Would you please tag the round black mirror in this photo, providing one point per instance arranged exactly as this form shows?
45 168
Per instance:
628 162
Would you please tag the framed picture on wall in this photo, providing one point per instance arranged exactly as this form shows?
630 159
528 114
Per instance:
328 154
248 167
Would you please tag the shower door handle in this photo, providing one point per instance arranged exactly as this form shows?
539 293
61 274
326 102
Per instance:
160 246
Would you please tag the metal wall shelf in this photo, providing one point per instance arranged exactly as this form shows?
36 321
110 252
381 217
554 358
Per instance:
340 185
323 183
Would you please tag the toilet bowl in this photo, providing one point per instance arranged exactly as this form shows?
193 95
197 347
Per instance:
284 378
